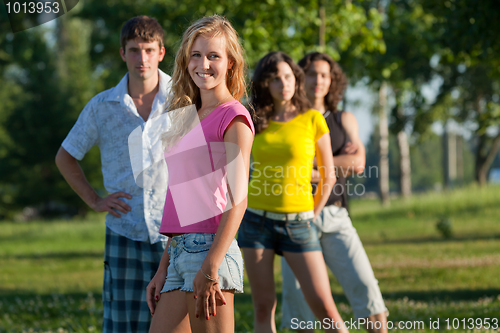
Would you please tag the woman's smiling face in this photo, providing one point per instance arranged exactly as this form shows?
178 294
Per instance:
209 62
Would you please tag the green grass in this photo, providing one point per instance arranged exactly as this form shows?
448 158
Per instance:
51 271
52 257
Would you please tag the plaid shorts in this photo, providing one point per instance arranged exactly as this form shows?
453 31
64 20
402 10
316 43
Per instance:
128 267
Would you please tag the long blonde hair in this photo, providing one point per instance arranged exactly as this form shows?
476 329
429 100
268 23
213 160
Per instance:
184 91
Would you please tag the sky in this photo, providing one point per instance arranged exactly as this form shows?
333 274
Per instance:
360 100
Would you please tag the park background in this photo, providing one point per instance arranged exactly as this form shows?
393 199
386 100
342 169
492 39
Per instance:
424 85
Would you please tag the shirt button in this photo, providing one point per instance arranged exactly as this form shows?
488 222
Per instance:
174 243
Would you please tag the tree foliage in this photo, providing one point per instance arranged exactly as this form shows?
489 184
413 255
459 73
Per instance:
44 87
49 74
467 35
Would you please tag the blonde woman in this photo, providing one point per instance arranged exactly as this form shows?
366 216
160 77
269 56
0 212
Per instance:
202 268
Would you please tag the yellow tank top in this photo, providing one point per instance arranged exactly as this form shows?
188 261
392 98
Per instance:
282 164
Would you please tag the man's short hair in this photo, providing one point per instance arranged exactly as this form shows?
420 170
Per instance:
144 27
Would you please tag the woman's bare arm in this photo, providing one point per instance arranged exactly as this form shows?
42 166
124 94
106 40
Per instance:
238 141
326 169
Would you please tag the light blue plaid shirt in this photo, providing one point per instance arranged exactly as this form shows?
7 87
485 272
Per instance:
107 121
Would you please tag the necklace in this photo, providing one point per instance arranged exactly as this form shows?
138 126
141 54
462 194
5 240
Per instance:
210 109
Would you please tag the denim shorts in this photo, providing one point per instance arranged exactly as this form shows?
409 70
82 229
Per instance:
187 253
261 232
345 256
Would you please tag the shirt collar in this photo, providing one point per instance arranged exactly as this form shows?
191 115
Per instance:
119 93
162 95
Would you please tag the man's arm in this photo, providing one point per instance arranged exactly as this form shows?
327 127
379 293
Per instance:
73 173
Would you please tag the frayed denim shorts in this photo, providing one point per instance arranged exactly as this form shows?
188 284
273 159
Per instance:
261 232
187 253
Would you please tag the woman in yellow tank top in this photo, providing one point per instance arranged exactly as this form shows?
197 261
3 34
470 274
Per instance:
281 206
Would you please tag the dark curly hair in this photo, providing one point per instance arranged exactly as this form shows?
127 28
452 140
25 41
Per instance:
261 98
339 80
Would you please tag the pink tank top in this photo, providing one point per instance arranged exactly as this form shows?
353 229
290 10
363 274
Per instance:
196 195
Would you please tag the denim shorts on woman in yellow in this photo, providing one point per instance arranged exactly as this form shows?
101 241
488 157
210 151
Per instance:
281 232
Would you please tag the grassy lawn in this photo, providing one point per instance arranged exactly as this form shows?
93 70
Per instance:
51 271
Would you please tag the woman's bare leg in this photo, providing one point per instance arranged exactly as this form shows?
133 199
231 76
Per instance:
259 267
310 270
223 322
171 314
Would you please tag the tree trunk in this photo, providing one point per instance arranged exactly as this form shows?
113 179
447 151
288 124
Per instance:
485 157
404 149
383 146
404 164
481 176
450 157
460 160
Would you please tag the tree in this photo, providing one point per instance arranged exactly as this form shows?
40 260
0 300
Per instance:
405 68
49 81
43 88
383 146
31 122
469 97
470 66
292 26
